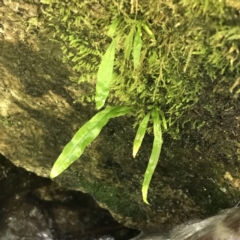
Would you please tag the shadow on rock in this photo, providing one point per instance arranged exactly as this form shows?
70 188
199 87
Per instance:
33 207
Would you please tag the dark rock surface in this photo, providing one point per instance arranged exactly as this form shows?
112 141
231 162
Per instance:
34 208
223 226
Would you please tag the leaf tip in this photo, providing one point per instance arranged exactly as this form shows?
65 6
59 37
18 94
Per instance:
53 173
146 201
144 194
134 153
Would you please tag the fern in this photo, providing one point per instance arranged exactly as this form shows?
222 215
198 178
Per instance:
162 61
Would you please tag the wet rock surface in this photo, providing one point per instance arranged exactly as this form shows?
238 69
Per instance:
223 226
33 207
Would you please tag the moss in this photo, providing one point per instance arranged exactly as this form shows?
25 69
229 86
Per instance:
193 43
5 121
115 198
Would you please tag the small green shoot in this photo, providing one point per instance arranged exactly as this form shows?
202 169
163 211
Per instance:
149 32
140 134
163 120
137 45
156 149
113 27
128 43
104 75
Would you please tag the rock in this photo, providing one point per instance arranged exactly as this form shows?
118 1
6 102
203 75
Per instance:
39 116
224 226
33 207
